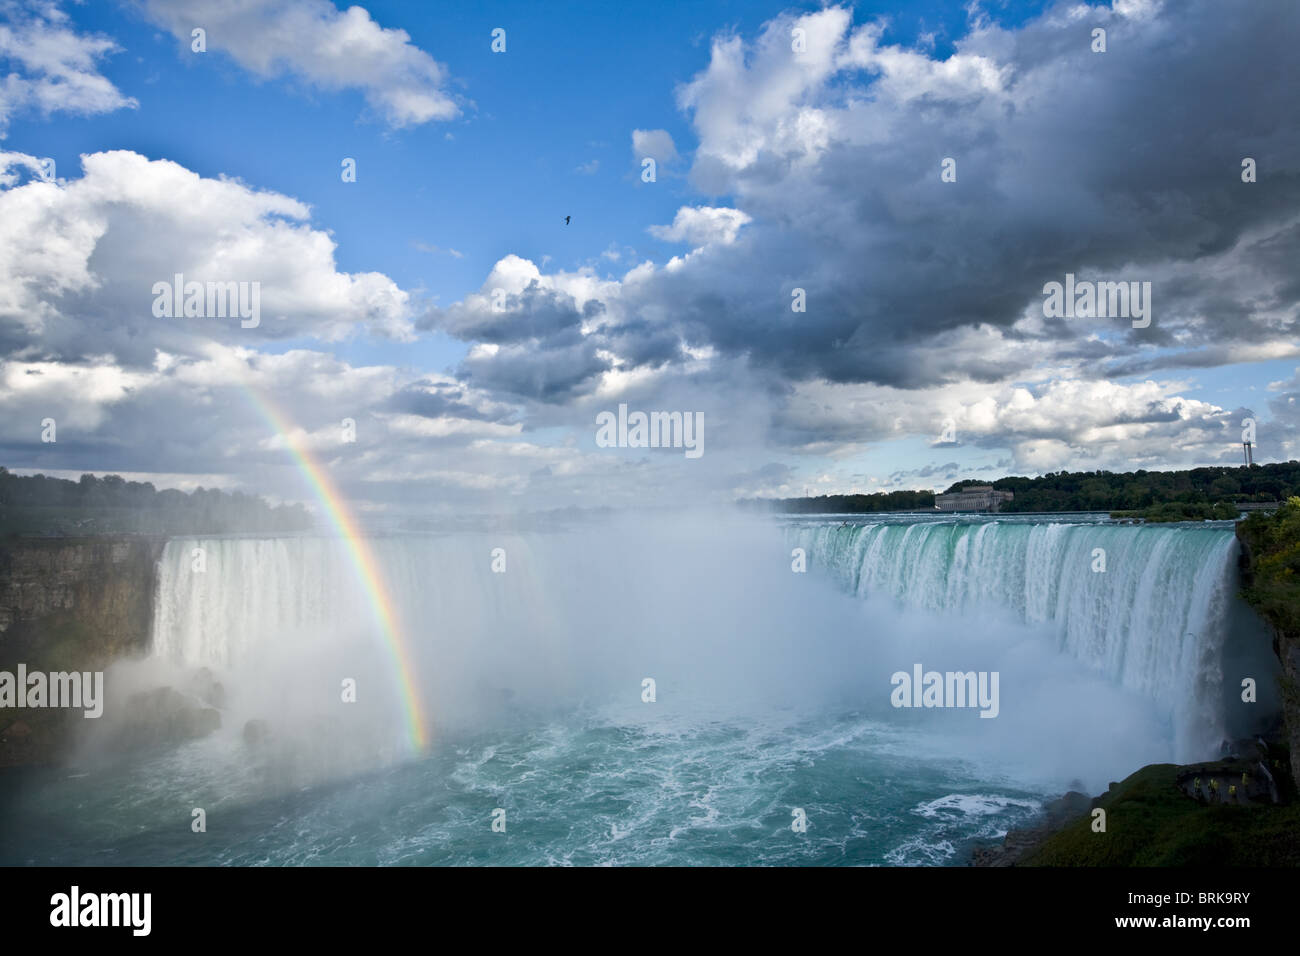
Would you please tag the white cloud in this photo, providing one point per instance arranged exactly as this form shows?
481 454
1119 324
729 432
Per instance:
329 48
701 225
75 396
923 301
187 420
657 144
50 68
78 261
1058 421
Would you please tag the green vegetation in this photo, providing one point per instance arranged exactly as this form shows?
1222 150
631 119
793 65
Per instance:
1183 511
1135 491
1151 822
38 505
1139 490
1273 588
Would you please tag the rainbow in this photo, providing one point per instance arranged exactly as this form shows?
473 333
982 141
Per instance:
363 560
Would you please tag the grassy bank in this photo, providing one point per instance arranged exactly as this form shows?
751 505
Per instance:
1150 821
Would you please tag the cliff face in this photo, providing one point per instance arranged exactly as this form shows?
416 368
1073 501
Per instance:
1277 600
1287 648
69 604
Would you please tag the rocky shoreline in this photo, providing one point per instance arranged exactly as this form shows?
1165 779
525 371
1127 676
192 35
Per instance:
1252 773
1019 843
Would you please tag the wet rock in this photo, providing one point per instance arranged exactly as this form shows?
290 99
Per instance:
23 742
1066 807
205 686
1057 814
161 717
256 732
74 603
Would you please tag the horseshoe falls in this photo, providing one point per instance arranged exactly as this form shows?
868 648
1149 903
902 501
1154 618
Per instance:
1148 607
672 690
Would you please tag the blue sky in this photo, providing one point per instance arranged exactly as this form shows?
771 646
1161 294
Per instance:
831 172
574 81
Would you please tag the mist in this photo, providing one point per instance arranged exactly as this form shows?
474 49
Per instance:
708 608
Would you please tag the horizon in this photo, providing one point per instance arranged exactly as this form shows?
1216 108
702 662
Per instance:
960 485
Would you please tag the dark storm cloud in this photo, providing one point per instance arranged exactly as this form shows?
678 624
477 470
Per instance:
640 343
534 313
567 367
439 399
946 471
1123 165
1110 165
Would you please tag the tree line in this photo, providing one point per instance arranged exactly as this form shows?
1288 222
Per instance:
1080 491
1273 582
42 505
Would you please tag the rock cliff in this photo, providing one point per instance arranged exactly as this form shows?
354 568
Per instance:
69 604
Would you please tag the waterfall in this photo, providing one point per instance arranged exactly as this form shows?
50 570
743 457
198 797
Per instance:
294 610
297 592
1153 620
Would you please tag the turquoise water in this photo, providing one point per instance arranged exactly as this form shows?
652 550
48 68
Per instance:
582 792
773 696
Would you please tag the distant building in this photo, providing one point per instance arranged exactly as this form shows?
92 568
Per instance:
973 498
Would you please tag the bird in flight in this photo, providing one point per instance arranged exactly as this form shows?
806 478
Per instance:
566 220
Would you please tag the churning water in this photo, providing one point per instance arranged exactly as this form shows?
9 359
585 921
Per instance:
771 693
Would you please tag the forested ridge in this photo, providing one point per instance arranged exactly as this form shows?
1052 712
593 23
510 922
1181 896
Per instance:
1082 491
41 505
